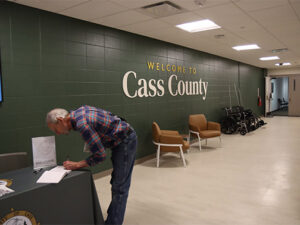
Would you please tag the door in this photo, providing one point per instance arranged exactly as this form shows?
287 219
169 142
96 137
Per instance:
268 94
294 96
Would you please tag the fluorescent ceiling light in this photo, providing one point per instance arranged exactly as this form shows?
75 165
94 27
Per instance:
197 26
283 64
246 47
269 58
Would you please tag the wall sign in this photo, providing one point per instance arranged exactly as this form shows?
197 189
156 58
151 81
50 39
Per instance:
157 87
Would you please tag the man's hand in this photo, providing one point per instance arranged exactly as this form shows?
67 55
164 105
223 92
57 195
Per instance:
70 165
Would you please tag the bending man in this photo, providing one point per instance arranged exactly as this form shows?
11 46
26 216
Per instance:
101 129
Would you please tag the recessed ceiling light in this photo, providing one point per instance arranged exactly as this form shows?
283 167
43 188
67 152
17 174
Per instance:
197 26
283 64
246 47
269 58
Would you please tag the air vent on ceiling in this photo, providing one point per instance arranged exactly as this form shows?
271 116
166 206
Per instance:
219 36
200 2
279 50
162 9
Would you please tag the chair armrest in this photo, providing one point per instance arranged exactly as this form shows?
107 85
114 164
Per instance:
213 126
170 132
171 139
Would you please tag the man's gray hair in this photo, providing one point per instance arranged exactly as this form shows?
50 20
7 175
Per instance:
56 113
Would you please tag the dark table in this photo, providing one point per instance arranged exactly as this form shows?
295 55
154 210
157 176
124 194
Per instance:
72 201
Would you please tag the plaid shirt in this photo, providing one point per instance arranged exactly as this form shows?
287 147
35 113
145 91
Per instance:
100 129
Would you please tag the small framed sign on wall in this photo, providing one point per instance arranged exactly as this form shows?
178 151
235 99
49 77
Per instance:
1 92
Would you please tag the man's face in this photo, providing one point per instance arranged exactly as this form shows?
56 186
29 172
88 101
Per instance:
60 127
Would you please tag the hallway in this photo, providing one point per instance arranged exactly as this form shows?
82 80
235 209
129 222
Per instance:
249 180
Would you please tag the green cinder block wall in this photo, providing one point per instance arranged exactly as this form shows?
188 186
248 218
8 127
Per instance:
51 61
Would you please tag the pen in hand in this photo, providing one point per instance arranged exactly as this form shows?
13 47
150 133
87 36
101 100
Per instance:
65 162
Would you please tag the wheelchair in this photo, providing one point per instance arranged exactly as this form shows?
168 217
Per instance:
239 120
234 121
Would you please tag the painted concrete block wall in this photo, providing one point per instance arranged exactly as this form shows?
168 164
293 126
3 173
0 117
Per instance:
52 61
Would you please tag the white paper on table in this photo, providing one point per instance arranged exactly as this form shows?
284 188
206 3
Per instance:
60 169
44 152
54 175
5 190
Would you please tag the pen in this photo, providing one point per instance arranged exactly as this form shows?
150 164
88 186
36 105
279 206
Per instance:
37 171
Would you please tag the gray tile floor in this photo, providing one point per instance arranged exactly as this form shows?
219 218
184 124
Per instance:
281 112
248 180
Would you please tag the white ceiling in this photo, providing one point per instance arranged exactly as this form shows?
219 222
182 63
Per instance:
272 24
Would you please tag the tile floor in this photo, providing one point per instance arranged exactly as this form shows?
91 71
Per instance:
248 180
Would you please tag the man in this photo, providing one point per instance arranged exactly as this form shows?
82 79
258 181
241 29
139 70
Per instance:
101 129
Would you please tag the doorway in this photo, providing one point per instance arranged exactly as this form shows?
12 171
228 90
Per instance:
279 96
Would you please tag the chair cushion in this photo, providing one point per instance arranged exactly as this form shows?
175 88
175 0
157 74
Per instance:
185 147
171 132
209 133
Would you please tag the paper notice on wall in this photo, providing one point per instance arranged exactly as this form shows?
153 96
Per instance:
44 152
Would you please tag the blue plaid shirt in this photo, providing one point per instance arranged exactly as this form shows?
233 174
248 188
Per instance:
100 129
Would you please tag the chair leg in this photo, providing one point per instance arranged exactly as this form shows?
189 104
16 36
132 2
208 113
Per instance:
189 137
220 141
182 156
206 141
157 156
199 140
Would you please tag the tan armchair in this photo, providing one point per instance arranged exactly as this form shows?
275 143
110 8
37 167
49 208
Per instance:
203 129
168 141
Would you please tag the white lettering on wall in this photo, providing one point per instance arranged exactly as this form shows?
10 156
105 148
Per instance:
154 88
170 85
125 82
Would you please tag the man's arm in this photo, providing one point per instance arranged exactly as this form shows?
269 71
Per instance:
70 165
93 140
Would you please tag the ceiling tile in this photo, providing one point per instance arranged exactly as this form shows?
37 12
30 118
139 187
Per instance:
190 4
181 18
146 26
295 4
51 5
255 5
227 16
93 9
122 19
269 17
292 30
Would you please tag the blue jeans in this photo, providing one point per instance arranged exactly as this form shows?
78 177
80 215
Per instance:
123 157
